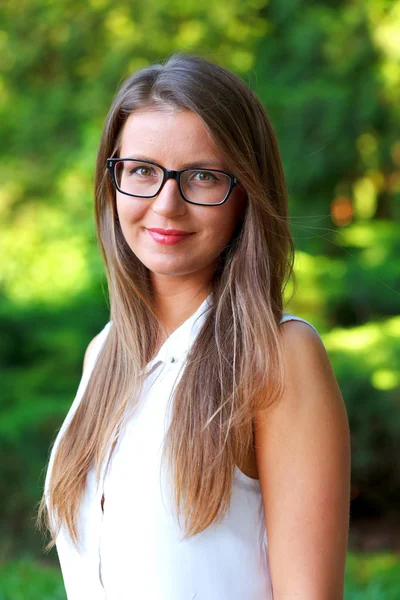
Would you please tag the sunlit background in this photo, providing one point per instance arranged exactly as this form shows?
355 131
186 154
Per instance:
328 74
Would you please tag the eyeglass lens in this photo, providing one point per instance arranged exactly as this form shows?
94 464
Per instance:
203 186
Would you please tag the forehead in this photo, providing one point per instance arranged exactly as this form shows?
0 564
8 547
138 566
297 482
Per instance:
167 133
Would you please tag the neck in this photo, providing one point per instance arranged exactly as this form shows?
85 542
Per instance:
176 303
179 307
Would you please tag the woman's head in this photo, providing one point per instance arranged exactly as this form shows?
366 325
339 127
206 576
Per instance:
175 139
188 111
174 114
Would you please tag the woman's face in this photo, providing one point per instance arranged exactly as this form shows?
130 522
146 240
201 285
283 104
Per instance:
175 140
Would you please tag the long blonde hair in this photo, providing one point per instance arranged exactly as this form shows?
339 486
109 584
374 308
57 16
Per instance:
234 367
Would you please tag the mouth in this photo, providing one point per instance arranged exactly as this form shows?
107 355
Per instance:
169 231
169 236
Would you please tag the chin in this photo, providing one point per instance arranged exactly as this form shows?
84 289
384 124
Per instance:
179 268
166 269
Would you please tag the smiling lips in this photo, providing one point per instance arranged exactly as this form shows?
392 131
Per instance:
168 236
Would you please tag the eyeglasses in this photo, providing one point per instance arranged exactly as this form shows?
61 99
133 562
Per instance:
144 179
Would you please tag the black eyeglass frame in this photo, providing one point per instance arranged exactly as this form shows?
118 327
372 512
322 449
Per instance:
170 174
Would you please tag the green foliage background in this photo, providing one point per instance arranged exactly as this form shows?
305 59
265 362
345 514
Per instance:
328 73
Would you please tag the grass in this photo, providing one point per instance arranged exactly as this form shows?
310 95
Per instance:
368 577
27 579
372 576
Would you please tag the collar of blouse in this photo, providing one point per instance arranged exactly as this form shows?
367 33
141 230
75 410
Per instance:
178 344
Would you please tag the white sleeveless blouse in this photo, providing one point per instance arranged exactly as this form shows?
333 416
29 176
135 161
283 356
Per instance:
132 547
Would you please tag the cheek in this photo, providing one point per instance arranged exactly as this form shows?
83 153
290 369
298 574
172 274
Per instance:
130 210
221 226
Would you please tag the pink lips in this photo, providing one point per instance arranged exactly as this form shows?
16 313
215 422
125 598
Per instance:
168 236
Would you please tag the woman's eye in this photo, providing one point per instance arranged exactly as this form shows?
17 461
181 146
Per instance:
144 171
204 176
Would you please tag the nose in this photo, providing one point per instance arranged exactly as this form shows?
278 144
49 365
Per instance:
169 201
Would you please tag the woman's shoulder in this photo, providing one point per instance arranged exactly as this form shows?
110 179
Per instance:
303 344
91 354
286 316
94 346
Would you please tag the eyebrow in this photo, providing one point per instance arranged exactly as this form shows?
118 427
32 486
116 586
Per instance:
211 164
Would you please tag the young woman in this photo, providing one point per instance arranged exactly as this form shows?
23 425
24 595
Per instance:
206 455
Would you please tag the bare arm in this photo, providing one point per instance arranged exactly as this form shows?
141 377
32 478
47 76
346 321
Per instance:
303 459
